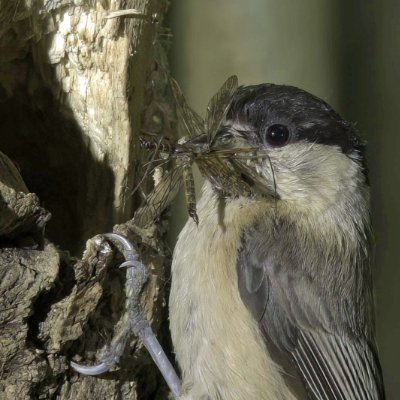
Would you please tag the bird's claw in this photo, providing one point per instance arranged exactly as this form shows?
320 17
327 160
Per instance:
133 321
93 370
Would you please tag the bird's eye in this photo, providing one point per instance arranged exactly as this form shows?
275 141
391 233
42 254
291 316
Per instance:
277 135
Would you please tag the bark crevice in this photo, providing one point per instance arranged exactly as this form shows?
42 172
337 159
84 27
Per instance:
75 92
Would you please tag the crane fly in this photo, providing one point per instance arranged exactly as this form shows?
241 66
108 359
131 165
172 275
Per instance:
184 154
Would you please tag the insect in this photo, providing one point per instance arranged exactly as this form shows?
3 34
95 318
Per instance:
185 152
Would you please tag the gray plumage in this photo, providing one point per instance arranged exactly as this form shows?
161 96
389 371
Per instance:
313 306
293 246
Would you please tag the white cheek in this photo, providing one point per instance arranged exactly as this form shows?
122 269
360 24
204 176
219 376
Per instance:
314 175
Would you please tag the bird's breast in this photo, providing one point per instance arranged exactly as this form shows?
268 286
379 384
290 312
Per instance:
217 342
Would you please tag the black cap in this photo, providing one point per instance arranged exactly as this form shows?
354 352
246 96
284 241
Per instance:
308 117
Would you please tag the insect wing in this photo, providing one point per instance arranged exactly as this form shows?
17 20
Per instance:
159 198
221 176
219 105
192 122
157 158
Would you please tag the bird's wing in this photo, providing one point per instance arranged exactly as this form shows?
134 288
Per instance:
315 324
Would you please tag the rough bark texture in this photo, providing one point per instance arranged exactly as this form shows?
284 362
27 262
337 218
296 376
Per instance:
75 91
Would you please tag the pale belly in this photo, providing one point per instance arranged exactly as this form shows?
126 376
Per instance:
217 343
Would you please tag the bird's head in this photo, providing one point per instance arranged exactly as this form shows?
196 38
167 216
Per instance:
282 143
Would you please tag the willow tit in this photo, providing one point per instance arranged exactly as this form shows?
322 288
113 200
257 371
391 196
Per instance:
271 294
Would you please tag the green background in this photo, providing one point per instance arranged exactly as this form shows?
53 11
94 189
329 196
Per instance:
346 52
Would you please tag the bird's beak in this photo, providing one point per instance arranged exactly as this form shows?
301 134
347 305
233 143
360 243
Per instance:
197 144
231 167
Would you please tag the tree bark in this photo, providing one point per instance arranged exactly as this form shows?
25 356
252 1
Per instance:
76 89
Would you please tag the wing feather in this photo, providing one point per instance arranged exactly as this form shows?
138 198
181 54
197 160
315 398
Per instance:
337 367
333 358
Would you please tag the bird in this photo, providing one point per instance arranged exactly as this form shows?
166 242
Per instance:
272 294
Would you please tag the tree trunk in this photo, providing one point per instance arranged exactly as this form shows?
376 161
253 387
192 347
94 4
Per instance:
76 89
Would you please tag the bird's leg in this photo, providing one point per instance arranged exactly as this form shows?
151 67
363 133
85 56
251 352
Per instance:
133 321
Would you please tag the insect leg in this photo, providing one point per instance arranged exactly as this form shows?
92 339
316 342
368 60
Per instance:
190 192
